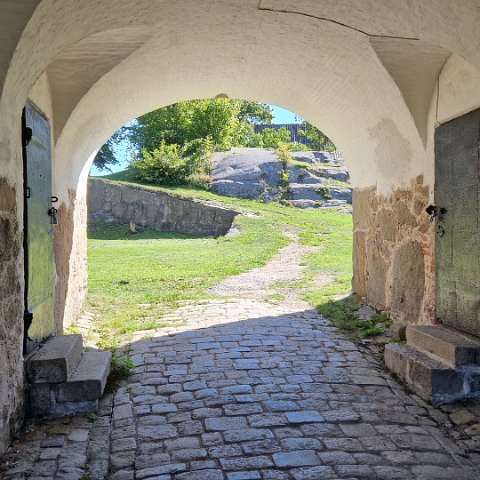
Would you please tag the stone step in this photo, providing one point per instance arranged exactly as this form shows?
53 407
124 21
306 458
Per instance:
431 379
55 360
87 381
449 346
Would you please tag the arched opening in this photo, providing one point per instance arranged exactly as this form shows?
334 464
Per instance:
217 153
354 71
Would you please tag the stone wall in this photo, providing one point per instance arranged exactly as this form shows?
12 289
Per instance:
11 322
393 252
155 209
71 261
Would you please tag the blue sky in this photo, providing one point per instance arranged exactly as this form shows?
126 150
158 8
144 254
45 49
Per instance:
280 115
284 116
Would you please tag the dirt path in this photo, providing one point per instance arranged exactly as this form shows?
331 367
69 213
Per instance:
279 276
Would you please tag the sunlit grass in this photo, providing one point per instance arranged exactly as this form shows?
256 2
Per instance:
134 280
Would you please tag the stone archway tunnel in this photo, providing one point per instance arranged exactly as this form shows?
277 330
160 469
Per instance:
377 78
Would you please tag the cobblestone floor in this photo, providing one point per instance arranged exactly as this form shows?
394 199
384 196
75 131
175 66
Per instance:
248 390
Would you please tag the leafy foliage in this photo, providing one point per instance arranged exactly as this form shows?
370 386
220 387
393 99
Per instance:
226 122
173 144
286 159
272 138
170 164
163 164
284 154
324 192
319 141
106 155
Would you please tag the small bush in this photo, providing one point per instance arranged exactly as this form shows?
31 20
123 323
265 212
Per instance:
324 192
273 138
165 165
122 365
284 154
299 147
284 179
176 165
72 330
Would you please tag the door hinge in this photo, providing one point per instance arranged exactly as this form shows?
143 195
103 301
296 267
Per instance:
27 135
27 320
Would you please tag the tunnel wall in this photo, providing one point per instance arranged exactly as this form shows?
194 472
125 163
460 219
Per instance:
279 51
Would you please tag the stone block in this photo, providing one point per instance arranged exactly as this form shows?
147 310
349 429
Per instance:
377 275
88 380
452 347
298 458
429 378
225 423
69 408
408 282
359 257
41 398
207 474
247 475
304 416
395 361
55 360
461 417
246 463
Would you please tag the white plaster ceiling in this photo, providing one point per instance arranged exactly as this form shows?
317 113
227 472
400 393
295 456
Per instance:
79 67
415 67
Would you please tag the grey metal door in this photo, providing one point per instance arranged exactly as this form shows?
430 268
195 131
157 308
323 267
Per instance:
38 241
457 169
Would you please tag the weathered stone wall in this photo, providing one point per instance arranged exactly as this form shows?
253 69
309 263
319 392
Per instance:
393 252
77 260
71 261
155 209
11 322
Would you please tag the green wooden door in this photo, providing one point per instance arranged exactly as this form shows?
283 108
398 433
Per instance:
38 242
457 176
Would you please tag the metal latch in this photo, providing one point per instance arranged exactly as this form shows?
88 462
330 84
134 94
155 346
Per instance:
27 135
434 211
52 211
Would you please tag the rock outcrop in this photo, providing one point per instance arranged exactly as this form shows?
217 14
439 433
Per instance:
312 179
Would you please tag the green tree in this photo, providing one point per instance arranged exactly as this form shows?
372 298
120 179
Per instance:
227 122
319 141
195 129
254 112
272 138
106 155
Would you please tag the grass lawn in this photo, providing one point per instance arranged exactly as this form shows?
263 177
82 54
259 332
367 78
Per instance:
134 279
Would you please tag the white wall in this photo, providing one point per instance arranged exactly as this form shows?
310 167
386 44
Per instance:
459 89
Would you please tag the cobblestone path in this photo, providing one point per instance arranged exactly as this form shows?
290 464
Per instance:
248 390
